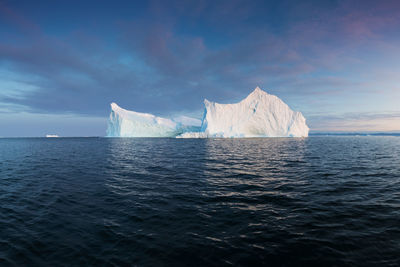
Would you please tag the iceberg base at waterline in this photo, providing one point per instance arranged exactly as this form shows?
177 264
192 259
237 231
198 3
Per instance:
258 115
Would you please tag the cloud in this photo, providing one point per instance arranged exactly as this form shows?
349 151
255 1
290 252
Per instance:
29 124
351 122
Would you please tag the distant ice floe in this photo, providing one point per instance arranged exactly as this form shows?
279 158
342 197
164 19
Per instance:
51 136
258 115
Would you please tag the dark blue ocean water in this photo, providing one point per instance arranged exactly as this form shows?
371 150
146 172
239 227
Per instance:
327 201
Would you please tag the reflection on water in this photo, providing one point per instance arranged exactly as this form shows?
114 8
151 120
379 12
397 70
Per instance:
139 201
242 167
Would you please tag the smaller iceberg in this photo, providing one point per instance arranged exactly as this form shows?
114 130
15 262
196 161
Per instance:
125 123
51 136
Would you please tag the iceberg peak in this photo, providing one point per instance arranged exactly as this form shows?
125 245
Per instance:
258 93
114 106
258 90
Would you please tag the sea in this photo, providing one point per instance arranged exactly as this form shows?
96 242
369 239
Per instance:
317 201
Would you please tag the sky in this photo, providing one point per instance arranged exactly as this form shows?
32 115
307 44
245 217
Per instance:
63 62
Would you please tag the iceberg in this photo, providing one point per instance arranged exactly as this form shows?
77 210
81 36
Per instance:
51 136
258 115
125 123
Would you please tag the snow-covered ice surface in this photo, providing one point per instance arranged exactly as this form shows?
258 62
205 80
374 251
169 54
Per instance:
125 123
258 115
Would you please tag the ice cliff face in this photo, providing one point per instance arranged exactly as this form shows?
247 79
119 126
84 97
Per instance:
125 123
258 115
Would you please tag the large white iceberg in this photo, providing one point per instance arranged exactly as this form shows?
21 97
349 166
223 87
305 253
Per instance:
258 115
125 123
